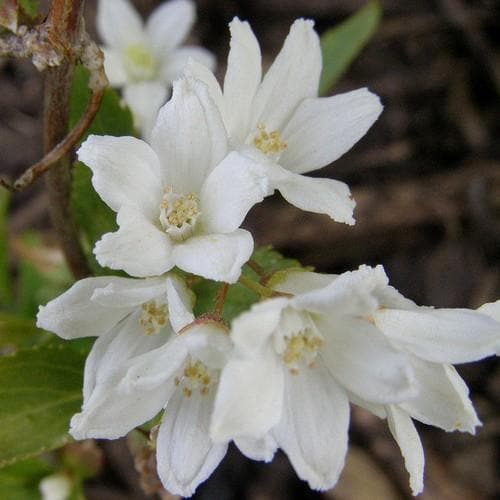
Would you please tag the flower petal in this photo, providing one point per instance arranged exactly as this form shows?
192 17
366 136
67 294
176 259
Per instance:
73 314
126 171
145 100
201 72
113 65
118 23
215 256
243 75
362 360
323 129
491 309
441 335
138 247
250 396
257 449
322 196
231 189
301 281
169 24
313 427
186 455
177 62
405 434
442 399
180 300
293 76
189 137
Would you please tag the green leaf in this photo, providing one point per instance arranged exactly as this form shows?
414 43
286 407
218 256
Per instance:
239 298
28 7
5 291
21 481
340 45
19 333
40 389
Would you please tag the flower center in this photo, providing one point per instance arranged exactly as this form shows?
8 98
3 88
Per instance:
300 340
153 317
140 63
178 213
269 143
196 376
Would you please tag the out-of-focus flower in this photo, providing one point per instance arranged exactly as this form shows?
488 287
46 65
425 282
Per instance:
145 58
55 487
181 200
280 120
297 360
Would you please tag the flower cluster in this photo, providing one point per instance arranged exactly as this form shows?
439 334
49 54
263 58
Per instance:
283 374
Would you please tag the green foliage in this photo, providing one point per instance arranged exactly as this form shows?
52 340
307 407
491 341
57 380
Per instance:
40 389
20 481
19 333
92 214
340 45
239 298
28 8
5 293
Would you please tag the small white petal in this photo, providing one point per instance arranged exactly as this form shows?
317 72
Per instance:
257 449
351 293
73 314
409 443
118 23
186 455
215 256
126 171
177 61
442 399
145 100
491 309
322 196
113 65
180 300
313 427
298 282
138 247
229 192
323 129
56 487
250 397
293 76
169 24
129 292
189 137
441 335
362 360
242 79
201 72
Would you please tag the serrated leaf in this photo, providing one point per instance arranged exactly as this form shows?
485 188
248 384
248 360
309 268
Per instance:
5 290
40 389
21 481
239 298
340 45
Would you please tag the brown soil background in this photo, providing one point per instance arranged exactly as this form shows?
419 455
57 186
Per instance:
427 182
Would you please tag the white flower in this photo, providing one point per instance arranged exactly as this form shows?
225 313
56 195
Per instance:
297 361
281 120
434 339
138 365
144 59
181 200
55 487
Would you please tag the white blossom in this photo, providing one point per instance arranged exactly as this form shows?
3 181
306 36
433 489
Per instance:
145 58
55 487
280 120
297 360
180 200
139 365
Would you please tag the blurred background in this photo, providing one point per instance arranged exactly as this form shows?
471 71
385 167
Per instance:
426 179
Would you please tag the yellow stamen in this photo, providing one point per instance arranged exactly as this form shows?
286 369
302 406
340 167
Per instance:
269 143
153 317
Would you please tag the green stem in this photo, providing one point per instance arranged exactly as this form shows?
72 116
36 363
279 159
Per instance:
259 289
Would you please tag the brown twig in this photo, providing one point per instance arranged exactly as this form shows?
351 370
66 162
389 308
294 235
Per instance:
220 299
60 150
256 268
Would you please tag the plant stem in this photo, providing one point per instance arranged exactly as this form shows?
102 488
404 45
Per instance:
256 268
220 299
65 18
259 289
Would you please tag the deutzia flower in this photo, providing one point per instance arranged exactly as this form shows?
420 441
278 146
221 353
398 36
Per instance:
281 120
138 365
434 339
297 360
55 487
144 59
181 200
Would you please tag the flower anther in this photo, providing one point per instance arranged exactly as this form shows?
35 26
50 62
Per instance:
178 213
196 376
269 143
154 317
